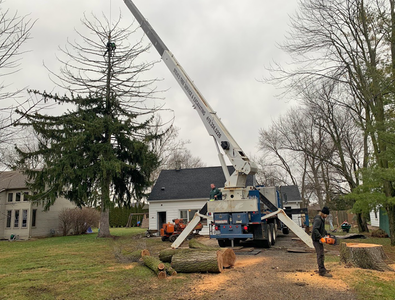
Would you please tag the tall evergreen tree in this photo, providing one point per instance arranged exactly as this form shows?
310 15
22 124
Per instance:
97 152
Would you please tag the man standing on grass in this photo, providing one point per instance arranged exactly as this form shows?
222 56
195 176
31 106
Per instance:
319 232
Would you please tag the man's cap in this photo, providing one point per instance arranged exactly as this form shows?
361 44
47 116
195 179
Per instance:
325 210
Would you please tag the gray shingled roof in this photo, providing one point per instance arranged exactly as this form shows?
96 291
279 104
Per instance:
12 180
189 183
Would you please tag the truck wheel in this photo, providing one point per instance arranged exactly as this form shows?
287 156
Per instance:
285 230
224 243
274 233
267 242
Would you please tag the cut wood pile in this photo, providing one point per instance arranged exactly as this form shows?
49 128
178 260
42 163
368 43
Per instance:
365 256
196 259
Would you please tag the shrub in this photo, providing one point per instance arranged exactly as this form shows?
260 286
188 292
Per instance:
380 233
78 220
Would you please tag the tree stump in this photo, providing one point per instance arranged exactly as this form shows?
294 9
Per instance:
365 256
197 261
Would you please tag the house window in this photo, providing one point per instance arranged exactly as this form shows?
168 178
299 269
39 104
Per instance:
25 194
10 197
34 217
24 218
187 215
18 196
9 213
16 219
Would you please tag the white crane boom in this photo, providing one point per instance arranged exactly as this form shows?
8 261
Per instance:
243 166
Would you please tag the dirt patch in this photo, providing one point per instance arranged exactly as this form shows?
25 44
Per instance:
274 274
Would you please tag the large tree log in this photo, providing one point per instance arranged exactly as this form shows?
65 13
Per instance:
228 255
166 254
365 256
197 261
228 258
155 265
195 244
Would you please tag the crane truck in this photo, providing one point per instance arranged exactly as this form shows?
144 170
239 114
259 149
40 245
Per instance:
244 211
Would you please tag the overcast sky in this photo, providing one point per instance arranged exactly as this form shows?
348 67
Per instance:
223 45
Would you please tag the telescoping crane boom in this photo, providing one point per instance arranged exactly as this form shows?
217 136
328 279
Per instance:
243 166
236 196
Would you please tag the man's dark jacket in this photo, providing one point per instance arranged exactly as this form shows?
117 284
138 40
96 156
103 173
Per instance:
318 228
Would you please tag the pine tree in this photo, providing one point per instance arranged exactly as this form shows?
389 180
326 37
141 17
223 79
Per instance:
98 151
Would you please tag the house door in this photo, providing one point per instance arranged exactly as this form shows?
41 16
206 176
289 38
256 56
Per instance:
161 219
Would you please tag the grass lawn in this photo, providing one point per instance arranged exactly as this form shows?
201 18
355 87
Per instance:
82 267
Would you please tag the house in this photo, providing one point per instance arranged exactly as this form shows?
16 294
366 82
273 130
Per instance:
379 218
291 200
181 193
21 218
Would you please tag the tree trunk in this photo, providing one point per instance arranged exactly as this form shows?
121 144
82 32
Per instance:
362 224
197 261
166 254
194 244
391 220
155 265
104 230
228 255
365 256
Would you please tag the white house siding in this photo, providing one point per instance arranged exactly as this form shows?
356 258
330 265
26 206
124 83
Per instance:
172 209
375 218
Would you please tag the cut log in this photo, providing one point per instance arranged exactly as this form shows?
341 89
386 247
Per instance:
228 258
155 265
197 261
133 256
166 254
169 270
228 255
162 274
194 244
145 252
365 256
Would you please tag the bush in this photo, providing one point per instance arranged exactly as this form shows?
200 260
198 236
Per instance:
380 233
78 220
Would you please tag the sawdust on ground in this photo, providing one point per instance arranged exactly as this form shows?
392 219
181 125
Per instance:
276 273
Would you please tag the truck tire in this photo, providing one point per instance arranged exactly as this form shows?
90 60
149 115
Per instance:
267 242
273 232
285 230
224 243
